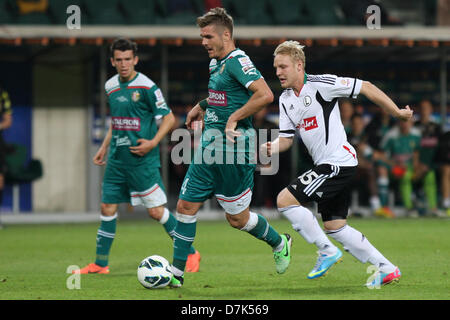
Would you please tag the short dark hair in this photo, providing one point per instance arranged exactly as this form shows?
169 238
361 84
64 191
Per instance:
123 44
217 16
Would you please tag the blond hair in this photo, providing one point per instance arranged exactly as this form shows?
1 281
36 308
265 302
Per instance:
217 16
293 49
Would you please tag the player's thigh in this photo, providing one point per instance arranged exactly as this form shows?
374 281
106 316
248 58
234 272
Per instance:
321 183
114 187
146 187
334 207
233 186
285 199
198 184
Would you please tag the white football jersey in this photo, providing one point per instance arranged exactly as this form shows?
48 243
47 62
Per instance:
315 114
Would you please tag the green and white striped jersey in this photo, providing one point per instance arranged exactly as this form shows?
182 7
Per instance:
134 106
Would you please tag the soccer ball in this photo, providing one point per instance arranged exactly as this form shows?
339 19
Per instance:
154 272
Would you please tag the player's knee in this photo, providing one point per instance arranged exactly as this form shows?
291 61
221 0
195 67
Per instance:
188 208
286 199
334 224
156 213
236 221
108 209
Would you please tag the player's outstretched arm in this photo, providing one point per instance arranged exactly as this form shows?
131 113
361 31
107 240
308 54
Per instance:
144 145
374 94
99 158
280 144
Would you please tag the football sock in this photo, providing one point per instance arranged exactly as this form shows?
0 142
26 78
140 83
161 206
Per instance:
258 227
184 235
430 189
305 223
446 203
375 203
105 238
383 190
406 189
169 222
358 246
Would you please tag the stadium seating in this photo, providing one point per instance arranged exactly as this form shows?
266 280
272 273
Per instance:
6 14
290 12
323 12
180 11
18 170
105 12
184 12
58 10
140 12
254 12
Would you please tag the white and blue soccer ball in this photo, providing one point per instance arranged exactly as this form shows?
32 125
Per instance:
154 272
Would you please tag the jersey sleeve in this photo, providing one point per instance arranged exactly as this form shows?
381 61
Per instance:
242 69
287 128
331 86
156 101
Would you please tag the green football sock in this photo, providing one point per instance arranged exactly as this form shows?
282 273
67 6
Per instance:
169 223
258 227
430 189
105 238
183 238
406 189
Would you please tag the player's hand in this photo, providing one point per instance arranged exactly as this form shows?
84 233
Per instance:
405 114
99 158
144 146
196 114
230 131
266 148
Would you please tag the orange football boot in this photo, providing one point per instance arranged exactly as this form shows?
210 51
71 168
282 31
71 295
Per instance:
92 268
193 262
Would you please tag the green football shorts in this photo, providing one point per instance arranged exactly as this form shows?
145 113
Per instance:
139 185
232 185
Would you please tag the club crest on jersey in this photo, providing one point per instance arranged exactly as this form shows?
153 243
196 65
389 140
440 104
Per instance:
307 101
135 96
308 124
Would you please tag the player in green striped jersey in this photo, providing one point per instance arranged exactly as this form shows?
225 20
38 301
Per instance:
236 92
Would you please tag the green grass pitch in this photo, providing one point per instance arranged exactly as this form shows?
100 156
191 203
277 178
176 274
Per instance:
34 260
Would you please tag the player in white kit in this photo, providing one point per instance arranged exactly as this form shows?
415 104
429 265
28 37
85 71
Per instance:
309 106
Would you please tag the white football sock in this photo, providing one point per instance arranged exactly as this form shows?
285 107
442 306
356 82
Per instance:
165 216
177 272
305 223
358 246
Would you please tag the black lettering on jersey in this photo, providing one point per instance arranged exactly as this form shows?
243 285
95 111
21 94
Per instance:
327 107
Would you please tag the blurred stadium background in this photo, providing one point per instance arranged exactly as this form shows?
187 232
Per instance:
55 77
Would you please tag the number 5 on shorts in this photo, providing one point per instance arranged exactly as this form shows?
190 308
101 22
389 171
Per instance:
308 177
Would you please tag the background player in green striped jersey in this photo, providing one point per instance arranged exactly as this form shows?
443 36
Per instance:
236 92
132 172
